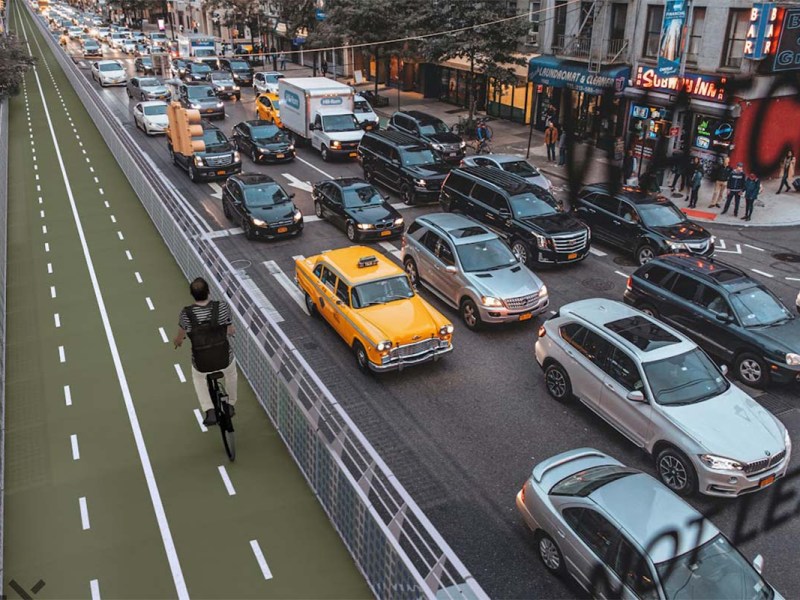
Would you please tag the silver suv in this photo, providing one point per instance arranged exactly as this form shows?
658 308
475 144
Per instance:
621 534
661 391
471 269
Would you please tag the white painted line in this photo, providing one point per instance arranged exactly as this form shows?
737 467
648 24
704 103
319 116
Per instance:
94 588
87 158
84 151
113 219
38 188
91 169
101 191
35 167
76 453
297 183
223 233
84 513
754 247
597 252
44 228
262 563
41 214
119 235
96 180
226 480
311 219
179 371
147 467
128 254
138 277
50 268
62 357
149 303
52 291
391 250
621 274
163 334
46 247
40 200
107 205
67 396
262 301
36 176
286 283
57 319
793 278
199 418
316 168
217 193
298 257
762 273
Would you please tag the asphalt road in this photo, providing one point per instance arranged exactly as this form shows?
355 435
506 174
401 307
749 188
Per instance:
464 433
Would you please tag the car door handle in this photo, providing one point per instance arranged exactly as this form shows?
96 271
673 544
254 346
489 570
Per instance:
616 222
560 533
591 210
570 353
610 386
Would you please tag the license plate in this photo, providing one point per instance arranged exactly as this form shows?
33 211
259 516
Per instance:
279 156
369 128
221 172
766 481
282 229
525 317
208 110
571 256
453 154
385 233
353 154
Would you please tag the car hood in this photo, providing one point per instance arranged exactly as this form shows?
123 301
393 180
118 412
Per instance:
511 282
270 214
688 231
157 89
540 180
204 101
555 223
270 145
157 119
223 82
346 136
444 138
372 214
402 320
781 338
366 116
732 425
430 170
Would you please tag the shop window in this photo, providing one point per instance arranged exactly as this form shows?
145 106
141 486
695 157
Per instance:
696 36
738 22
652 34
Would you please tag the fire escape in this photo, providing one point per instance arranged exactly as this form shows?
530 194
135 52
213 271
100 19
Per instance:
592 42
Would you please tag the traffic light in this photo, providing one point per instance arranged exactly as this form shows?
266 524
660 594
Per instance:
185 131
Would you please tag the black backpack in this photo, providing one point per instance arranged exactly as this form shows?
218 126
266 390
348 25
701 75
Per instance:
210 347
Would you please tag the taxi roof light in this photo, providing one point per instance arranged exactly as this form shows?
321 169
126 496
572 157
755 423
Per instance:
367 261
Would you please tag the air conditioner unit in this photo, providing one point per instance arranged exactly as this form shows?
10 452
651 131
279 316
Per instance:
532 39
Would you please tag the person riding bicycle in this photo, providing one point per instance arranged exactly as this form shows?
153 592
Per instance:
483 134
208 325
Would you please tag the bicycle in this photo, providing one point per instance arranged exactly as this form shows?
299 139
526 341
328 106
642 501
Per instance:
480 147
222 409
467 127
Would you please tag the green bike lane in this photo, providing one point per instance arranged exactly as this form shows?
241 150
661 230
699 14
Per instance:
123 548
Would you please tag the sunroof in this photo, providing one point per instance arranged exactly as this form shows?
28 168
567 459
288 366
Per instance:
724 275
467 232
642 333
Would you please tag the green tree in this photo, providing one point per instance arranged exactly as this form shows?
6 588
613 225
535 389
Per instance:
237 13
300 17
14 63
489 49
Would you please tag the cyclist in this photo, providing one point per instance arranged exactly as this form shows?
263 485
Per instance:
208 325
483 134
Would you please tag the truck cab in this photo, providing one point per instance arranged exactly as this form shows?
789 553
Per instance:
336 132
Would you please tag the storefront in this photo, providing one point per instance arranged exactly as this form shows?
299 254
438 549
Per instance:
568 90
705 128
450 83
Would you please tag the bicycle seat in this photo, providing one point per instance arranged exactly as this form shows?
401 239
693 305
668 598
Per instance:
215 375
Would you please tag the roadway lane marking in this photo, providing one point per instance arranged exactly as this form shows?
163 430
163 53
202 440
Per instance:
113 219
50 268
41 214
149 303
754 247
91 169
762 273
46 247
217 193
44 229
107 205
262 563
94 588
57 320
120 236
297 257
199 418
179 371
84 513
62 357
163 334
226 480
96 180
52 291
286 283
101 191
76 453
67 396
793 278
138 277
305 162
297 183
223 233
597 252
128 254
391 250
40 200
155 497
621 274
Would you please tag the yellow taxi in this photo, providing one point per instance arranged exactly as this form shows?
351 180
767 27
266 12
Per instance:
268 108
371 304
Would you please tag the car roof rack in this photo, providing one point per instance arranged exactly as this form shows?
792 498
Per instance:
513 184
397 137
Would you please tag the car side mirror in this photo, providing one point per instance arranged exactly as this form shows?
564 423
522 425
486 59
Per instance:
291 194
451 269
724 369
725 318
758 563
636 396
505 214
312 127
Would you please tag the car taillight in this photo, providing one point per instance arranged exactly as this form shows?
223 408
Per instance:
522 492
542 331
629 282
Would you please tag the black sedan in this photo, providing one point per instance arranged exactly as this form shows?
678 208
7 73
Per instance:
263 141
261 207
356 207
144 64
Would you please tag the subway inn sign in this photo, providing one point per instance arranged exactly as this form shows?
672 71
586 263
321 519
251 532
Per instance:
697 85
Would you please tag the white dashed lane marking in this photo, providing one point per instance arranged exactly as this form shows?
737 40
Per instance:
57 320
762 273
84 513
67 396
52 291
163 335
138 277
94 589
226 480
128 254
149 303
76 453
179 371
199 418
62 357
262 563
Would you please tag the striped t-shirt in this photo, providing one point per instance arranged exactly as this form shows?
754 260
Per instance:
203 315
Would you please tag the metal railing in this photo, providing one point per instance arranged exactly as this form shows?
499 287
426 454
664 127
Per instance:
579 46
3 282
399 552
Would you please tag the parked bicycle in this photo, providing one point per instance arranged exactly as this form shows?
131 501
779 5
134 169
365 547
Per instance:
467 127
224 412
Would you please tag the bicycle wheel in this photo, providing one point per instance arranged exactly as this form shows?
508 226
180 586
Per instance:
226 429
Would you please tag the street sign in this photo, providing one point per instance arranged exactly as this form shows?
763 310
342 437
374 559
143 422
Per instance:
319 14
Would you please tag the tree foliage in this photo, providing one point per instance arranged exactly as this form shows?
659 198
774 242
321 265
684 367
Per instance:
14 63
250 13
134 9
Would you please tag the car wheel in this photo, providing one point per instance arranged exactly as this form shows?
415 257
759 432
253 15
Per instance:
648 309
193 173
324 152
310 306
362 360
248 230
522 251
407 194
557 382
318 209
676 471
751 370
253 155
470 314
351 232
644 254
550 553
411 271
226 211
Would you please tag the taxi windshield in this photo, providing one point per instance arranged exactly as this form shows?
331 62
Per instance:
382 291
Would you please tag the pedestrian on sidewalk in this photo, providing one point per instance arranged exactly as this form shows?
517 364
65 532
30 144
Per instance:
324 67
752 188
680 168
697 181
282 60
630 166
788 171
721 175
562 149
550 139
735 189
694 167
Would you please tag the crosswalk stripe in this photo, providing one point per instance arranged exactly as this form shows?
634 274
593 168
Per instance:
286 283
389 247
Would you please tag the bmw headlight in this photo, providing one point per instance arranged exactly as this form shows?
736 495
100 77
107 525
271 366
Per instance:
198 161
793 359
363 226
720 463
385 345
398 221
259 223
541 241
491 301
297 216
420 182
446 329
236 156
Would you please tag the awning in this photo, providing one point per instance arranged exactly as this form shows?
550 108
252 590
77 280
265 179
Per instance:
555 72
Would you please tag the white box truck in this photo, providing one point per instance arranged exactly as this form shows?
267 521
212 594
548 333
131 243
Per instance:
320 110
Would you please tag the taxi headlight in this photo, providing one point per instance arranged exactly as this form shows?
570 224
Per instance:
793 359
385 345
543 291
259 223
236 156
491 301
446 329
220 105
720 463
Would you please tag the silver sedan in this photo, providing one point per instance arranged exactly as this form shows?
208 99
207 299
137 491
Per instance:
510 163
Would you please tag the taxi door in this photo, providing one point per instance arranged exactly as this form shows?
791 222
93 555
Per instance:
330 304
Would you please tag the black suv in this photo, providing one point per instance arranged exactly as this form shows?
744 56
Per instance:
196 71
240 69
729 314
434 132
525 215
399 162
646 224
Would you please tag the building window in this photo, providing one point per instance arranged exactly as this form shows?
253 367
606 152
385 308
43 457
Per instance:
587 19
696 36
534 6
652 35
738 22
559 24
616 42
